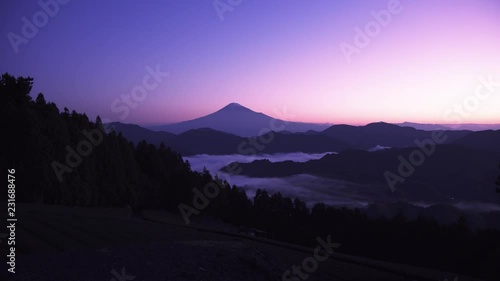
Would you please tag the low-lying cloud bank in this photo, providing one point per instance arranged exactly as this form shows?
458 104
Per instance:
310 188
214 162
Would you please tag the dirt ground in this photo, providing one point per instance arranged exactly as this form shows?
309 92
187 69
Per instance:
71 244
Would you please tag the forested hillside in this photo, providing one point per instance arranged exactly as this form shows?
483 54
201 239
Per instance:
65 158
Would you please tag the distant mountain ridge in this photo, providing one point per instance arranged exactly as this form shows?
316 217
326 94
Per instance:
239 120
466 126
384 134
336 138
452 171
425 127
483 140
210 141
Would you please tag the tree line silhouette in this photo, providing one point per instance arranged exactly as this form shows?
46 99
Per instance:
145 176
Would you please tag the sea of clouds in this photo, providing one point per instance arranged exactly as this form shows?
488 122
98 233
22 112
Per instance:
309 188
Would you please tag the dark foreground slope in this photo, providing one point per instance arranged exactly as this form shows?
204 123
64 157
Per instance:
67 243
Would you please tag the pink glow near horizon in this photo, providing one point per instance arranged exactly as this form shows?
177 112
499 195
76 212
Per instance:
424 62
267 56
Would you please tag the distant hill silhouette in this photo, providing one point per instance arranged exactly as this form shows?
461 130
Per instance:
336 138
467 126
425 127
451 171
473 127
209 141
383 134
239 120
304 142
482 140
136 133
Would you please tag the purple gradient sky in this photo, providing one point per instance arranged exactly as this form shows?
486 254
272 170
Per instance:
266 55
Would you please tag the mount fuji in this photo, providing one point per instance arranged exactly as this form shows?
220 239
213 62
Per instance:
239 120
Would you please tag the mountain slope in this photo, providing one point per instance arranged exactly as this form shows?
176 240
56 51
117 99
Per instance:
384 134
302 142
238 120
425 127
451 171
483 140
137 133
466 126
210 141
